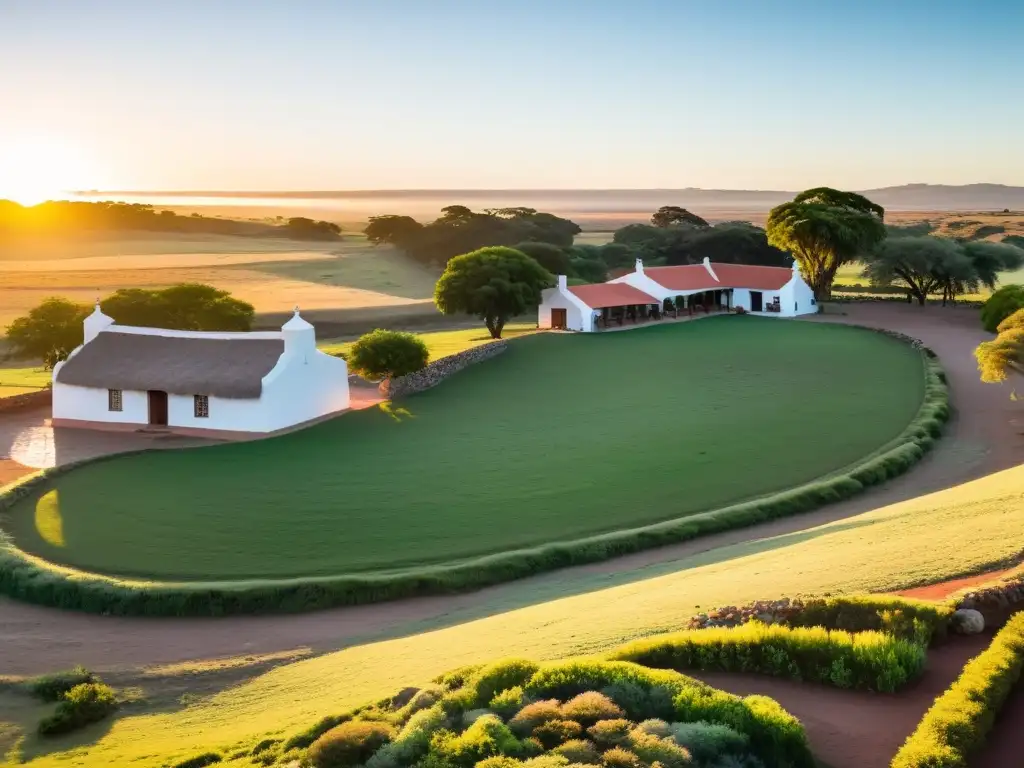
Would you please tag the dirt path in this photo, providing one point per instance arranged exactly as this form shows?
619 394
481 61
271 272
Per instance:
944 589
981 439
854 729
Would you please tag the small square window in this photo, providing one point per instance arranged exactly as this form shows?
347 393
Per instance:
114 400
202 406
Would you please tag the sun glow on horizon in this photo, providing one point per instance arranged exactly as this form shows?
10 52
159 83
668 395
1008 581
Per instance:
36 170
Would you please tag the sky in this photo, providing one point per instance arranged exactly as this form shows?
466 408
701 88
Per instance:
416 94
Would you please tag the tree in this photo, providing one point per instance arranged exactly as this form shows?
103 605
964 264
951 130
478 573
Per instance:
1000 305
729 243
382 353
674 216
919 264
395 230
825 228
49 332
187 307
494 284
554 259
301 228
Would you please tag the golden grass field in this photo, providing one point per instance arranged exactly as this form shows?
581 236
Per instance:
569 613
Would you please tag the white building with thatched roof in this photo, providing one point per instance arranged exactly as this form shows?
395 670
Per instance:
192 382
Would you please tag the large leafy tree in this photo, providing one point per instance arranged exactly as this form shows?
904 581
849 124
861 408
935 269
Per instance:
494 284
187 307
922 265
674 216
554 259
396 230
825 228
48 332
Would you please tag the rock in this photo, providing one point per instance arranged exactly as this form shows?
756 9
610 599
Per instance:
968 621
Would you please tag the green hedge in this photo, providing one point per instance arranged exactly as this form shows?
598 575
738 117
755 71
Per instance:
922 621
84 704
961 718
28 578
868 660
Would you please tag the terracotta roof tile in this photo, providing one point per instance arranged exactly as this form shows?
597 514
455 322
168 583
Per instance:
690 277
694 277
600 295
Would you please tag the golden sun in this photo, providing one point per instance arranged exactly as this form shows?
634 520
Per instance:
37 170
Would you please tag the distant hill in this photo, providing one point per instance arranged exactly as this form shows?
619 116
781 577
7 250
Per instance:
908 197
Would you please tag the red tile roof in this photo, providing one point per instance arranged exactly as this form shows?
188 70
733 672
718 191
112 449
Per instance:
600 295
690 277
694 277
747 276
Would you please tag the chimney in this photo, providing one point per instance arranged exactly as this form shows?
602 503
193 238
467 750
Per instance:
299 336
563 283
640 266
707 266
95 323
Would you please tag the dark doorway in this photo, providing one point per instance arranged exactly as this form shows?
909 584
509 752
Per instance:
157 408
756 301
558 319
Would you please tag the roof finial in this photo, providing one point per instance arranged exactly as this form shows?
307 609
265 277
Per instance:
296 309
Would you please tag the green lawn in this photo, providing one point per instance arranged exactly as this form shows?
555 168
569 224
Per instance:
577 612
560 437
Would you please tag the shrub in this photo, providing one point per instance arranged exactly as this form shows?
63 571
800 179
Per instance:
867 660
532 715
52 687
471 716
555 732
499 761
589 707
639 703
655 727
412 741
578 751
314 732
508 702
706 741
457 678
263 746
486 737
610 733
199 761
960 719
351 743
617 757
651 748
1000 305
917 620
380 353
499 676
84 704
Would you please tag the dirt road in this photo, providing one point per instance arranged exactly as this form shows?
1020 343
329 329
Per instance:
982 438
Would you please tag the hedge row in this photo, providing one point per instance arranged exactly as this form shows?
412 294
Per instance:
32 579
961 718
871 661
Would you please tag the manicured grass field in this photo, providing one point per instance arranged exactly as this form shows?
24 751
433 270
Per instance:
577 612
560 437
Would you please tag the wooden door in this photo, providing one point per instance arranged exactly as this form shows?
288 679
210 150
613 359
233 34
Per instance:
558 319
157 408
756 301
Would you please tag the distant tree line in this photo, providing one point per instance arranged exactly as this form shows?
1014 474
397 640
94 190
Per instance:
68 217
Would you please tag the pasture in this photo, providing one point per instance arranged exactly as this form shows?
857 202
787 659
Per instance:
564 614
559 438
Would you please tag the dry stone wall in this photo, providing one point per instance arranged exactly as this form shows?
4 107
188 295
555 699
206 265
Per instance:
36 399
439 370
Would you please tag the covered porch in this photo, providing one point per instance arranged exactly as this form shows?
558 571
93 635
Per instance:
706 302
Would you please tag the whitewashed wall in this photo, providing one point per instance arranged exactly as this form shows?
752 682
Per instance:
798 298
303 388
90 404
575 317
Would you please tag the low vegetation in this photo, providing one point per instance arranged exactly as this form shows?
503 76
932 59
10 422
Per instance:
80 706
871 661
383 354
962 717
775 390
52 687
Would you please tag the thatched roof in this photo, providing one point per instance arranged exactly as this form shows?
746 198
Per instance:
180 365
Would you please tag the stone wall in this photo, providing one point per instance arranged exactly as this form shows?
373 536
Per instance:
37 399
439 370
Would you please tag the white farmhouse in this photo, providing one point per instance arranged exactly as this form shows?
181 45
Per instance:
650 293
190 382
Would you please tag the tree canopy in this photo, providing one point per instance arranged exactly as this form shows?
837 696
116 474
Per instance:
301 228
673 216
183 307
825 228
494 284
554 259
49 332
460 230
382 353
733 242
1000 305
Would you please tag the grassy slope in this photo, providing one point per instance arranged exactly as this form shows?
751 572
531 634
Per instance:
444 343
897 546
723 410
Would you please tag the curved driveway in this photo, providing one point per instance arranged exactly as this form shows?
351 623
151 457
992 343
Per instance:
983 437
